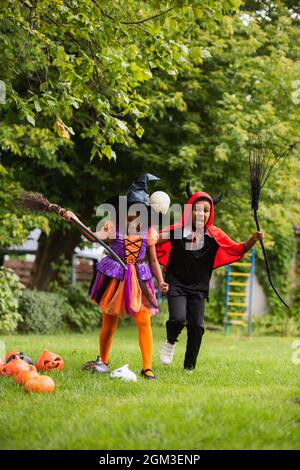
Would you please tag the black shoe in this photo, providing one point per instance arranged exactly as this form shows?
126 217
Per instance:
148 377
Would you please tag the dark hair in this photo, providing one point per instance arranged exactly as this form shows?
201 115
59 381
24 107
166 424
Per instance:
202 199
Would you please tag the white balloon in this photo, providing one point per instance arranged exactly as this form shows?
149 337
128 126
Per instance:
160 201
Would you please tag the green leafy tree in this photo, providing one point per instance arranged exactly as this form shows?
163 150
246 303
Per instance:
74 74
241 79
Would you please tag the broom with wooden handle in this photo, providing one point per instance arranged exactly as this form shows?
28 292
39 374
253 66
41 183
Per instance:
262 162
38 202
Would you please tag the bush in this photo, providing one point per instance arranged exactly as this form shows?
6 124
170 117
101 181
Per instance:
10 289
295 307
41 312
275 325
82 315
83 319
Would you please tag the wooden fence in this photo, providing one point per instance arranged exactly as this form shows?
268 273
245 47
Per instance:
84 270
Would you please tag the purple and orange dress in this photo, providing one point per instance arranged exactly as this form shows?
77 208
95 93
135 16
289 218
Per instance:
125 293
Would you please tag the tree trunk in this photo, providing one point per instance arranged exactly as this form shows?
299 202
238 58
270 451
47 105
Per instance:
60 242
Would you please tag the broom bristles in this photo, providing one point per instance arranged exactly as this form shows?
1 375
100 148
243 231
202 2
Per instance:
34 201
262 163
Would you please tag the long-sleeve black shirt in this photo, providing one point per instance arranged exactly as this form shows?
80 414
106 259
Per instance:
190 271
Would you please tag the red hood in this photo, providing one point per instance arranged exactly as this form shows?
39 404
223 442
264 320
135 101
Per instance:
228 252
187 213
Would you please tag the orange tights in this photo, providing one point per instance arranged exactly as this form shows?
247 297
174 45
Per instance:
109 326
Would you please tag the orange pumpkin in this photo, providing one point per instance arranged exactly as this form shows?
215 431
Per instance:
26 375
13 354
49 360
10 354
40 384
14 366
1 366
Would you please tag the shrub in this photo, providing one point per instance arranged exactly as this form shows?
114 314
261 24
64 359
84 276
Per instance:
10 289
82 315
275 325
83 319
42 312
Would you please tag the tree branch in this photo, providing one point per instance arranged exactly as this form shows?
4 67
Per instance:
140 21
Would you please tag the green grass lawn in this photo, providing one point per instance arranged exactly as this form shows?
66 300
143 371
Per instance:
244 394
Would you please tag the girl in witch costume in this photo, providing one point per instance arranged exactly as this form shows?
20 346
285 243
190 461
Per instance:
188 270
131 292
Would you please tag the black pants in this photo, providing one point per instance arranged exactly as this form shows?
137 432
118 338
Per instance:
187 310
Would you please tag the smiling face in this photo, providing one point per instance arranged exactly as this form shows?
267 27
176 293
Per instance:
200 212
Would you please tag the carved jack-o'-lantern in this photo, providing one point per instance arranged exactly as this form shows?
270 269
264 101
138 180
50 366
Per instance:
49 360
13 354
26 375
15 366
40 384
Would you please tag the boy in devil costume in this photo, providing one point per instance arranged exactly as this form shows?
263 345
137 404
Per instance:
188 268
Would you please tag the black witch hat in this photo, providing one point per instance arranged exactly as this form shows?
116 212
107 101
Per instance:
138 191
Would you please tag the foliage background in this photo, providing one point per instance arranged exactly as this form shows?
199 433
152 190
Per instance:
98 90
